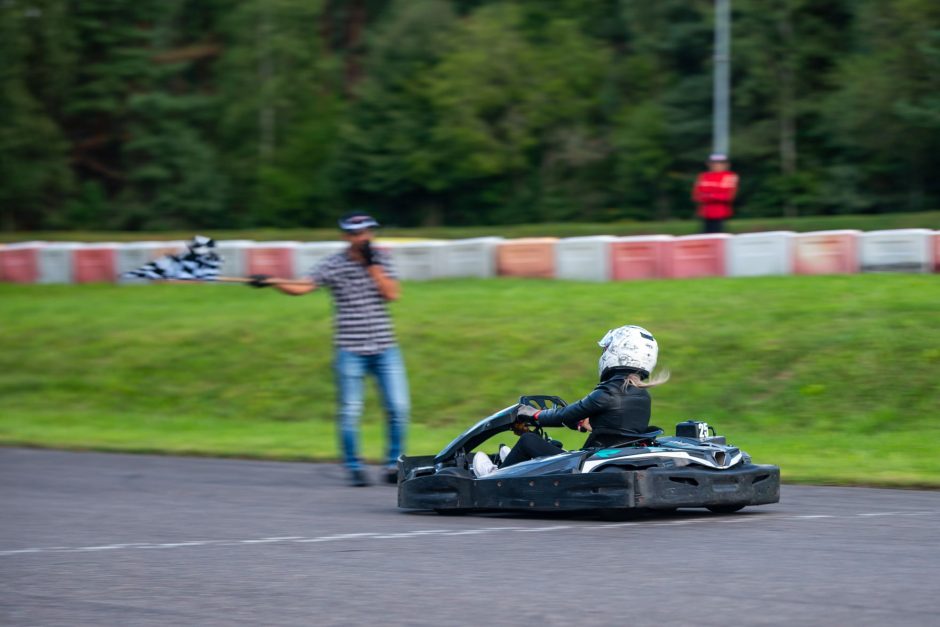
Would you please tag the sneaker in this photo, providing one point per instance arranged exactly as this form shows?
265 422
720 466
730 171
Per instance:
482 464
358 479
503 452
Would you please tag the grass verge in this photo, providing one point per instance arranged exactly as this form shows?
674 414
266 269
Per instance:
833 378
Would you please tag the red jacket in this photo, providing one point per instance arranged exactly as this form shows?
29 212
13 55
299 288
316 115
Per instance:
714 192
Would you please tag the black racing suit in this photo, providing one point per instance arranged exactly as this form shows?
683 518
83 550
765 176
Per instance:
615 412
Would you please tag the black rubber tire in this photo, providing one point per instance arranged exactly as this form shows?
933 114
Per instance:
724 509
618 515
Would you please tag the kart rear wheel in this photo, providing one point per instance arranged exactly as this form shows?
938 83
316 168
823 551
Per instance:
724 509
618 515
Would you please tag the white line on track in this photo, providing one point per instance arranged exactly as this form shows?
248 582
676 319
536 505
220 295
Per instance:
419 533
555 528
341 536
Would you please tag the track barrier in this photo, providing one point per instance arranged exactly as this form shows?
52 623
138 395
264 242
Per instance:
595 258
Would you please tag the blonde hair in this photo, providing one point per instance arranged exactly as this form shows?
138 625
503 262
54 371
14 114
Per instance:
655 379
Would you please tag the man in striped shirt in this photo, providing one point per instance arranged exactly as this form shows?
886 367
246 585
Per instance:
362 282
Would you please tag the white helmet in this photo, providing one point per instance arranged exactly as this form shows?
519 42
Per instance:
628 347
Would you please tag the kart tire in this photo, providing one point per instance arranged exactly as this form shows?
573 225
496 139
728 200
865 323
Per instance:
724 509
619 514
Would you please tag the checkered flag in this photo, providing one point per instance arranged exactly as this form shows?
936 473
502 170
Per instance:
199 263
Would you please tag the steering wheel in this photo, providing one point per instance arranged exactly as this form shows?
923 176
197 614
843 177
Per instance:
541 402
521 426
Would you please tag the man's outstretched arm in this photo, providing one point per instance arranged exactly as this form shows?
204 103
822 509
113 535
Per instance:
295 288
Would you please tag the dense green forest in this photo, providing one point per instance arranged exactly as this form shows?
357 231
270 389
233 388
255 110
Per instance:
278 113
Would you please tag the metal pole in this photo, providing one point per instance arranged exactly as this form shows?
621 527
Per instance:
722 82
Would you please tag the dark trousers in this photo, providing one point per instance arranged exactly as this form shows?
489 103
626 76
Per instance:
530 446
713 225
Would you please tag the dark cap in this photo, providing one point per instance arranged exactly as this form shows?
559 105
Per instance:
355 222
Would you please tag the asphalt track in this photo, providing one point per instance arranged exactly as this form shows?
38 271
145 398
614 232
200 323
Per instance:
97 539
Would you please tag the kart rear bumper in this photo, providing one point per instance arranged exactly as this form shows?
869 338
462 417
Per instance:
664 488
655 488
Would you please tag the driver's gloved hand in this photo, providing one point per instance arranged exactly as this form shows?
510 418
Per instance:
527 412
259 280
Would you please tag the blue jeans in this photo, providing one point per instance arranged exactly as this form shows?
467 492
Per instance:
389 371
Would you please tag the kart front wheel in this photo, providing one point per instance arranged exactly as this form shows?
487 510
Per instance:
724 509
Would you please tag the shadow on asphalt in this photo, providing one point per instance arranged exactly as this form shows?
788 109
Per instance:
631 515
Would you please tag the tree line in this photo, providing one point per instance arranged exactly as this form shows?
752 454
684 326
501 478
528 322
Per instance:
231 114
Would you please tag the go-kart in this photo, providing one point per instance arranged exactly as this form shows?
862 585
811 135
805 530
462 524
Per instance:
694 468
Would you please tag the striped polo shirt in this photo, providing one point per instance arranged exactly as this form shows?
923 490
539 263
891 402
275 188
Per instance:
361 323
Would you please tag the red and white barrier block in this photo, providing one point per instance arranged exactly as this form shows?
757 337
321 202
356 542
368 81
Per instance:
694 256
94 263
826 252
584 258
19 263
901 250
532 257
271 258
639 257
761 254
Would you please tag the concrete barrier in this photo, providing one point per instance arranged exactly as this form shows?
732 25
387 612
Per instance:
308 254
19 263
826 252
532 257
132 255
761 254
418 261
694 256
900 250
94 263
55 262
639 257
583 258
234 254
474 257
272 258
936 251
594 258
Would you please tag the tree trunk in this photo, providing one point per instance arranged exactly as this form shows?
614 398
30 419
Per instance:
787 107
7 221
266 114
433 215
663 209
354 28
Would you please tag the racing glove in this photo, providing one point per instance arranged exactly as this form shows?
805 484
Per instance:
368 254
527 413
259 280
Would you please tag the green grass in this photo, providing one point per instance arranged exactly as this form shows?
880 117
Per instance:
927 219
787 367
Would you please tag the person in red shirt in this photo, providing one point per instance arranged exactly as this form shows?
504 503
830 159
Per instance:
714 192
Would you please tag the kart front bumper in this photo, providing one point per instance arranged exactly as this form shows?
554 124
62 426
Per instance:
654 488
